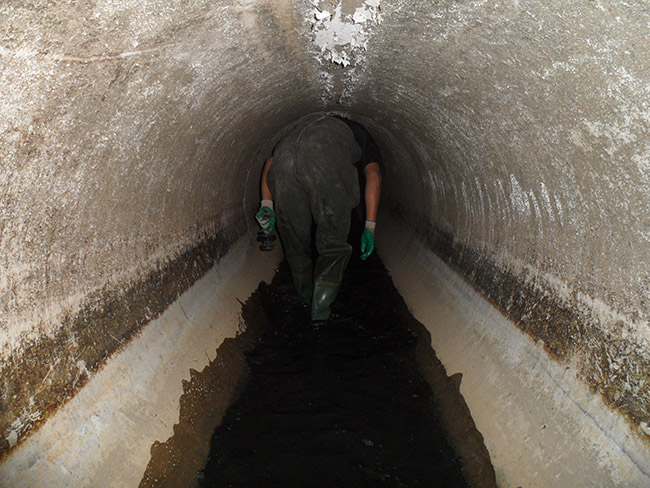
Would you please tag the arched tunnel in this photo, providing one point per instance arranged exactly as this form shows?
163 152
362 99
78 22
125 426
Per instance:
515 213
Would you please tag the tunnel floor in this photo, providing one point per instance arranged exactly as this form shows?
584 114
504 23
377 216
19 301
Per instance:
340 404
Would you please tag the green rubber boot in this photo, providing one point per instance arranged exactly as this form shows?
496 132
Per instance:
324 295
304 285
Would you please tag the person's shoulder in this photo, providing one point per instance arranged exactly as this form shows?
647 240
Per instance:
350 123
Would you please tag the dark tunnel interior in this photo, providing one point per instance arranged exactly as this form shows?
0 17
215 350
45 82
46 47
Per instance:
514 219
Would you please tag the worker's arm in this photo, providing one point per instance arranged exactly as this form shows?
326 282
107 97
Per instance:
373 190
372 194
266 193
265 216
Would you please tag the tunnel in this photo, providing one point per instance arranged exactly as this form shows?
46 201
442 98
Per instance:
514 220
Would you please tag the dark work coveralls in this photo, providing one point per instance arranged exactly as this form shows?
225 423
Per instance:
313 177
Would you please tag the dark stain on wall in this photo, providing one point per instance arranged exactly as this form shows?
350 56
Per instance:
46 374
607 362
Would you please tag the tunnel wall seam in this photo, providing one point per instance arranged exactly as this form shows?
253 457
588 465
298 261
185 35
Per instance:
611 364
40 378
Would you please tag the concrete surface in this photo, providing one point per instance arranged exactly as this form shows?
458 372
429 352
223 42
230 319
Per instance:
132 132
103 436
542 425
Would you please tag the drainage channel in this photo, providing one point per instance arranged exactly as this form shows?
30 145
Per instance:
360 400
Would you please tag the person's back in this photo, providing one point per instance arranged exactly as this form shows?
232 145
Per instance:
312 175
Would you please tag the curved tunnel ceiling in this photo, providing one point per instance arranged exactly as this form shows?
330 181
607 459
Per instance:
520 131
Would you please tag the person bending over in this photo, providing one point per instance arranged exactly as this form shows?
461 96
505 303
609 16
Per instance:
313 174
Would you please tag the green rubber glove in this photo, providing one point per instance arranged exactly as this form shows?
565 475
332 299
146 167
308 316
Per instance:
367 243
265 216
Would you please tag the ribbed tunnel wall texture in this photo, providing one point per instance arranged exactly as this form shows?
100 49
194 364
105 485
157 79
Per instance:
132 133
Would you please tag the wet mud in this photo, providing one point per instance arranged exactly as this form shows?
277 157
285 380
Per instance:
345 403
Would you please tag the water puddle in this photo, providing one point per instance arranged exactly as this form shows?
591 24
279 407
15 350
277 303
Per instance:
361 400
342 404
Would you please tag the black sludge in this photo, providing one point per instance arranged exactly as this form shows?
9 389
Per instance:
341 405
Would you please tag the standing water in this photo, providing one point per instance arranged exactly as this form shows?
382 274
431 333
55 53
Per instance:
337 404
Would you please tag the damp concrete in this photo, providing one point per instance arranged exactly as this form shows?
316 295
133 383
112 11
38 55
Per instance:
133 403
542 425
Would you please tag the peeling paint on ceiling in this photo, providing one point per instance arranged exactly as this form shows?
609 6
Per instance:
341 37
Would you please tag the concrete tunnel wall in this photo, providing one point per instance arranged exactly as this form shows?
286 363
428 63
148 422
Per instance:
517 143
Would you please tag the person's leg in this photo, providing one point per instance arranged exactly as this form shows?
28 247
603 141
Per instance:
293 217
326 151
332 245
333 255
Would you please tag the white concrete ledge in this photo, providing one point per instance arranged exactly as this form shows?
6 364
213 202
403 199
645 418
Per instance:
542 426
102 437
